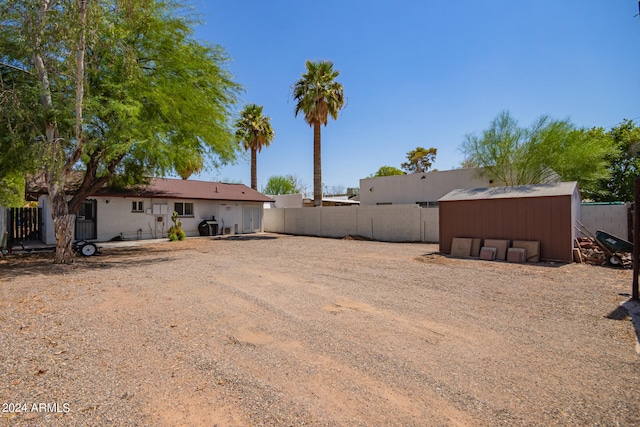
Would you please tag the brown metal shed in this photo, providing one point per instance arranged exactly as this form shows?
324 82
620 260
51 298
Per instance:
546 213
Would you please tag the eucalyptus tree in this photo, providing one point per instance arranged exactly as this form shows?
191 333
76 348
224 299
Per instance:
420 160
105 91
254 131
318 95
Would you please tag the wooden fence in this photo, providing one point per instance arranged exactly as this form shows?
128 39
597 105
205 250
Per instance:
24 224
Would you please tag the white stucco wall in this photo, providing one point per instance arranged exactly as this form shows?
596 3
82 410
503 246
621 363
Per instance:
115 217
413 188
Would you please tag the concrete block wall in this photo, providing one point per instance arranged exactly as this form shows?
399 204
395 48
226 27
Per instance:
609 218
430 225
274 220
401 223
390 223
339 221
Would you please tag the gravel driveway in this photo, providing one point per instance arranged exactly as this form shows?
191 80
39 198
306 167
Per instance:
285 330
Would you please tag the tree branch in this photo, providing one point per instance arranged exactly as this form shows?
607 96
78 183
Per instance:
4 64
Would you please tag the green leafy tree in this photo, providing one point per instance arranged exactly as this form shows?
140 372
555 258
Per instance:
581 155
12 191
419 160
281 184
254 131
387 171
513 155
109 92
623 164
318 96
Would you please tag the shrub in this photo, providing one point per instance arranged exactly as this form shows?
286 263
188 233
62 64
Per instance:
175 231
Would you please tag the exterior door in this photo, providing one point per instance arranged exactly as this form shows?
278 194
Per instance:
86 228
251 219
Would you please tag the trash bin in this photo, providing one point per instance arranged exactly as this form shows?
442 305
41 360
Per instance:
208 228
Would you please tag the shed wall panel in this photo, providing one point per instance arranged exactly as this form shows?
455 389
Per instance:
545 219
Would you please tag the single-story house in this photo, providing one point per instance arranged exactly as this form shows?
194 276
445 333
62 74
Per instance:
145 212
546 213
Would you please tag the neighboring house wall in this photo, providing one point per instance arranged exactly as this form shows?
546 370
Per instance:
406 223
288 201
612 218
115 217
419 187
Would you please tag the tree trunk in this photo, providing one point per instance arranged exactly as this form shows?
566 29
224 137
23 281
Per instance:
62 223
254 169
317 166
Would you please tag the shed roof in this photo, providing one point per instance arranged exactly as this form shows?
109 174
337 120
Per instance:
519 191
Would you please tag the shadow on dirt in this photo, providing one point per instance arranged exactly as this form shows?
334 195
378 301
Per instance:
33 264
246 238
626 310
445 258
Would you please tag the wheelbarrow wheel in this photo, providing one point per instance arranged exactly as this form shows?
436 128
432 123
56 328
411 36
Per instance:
615 261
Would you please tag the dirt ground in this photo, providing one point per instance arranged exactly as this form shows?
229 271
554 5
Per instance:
284 330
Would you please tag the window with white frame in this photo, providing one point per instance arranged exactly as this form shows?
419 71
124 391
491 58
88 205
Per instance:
183 209
137 206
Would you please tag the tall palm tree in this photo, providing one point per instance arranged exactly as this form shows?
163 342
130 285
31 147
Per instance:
254 130
318 95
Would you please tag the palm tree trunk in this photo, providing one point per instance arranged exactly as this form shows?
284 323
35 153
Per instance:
254 169
317 166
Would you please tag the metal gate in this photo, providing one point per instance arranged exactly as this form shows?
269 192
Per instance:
86 221
25 224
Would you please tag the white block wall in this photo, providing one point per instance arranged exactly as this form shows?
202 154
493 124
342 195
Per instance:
401 223
609 218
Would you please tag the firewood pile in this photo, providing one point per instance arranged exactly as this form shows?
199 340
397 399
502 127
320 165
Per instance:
591 252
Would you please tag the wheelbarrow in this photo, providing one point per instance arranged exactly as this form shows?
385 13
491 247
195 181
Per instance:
613 246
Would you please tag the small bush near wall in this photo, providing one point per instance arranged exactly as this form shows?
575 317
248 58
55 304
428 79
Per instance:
176 232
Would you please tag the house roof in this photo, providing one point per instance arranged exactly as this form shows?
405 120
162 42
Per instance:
190 189
187 189
539 190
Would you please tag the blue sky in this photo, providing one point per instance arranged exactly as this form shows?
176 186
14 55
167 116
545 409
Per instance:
423 73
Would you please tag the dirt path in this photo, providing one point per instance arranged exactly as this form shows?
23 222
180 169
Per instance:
283 330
